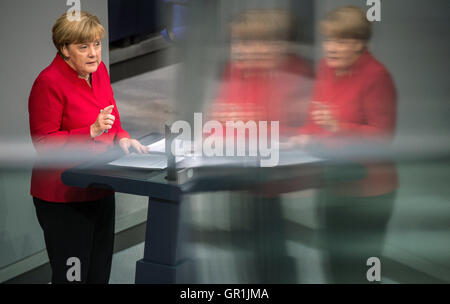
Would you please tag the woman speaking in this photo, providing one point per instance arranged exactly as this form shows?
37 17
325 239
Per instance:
71 105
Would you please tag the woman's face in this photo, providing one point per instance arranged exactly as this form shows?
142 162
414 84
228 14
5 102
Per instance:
258 54
341 53
84 57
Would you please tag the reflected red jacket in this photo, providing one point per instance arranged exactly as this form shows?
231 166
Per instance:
267 95
364 103
62 107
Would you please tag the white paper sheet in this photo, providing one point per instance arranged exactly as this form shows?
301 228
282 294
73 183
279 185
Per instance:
145 161
183 147
156 159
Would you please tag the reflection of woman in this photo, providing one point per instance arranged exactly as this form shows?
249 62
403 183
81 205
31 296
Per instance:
71 105
263 81
354 96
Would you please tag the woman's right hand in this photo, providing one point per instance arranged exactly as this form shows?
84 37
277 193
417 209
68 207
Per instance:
104 122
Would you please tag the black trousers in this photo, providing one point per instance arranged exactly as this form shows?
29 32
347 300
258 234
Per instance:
353 230
80 230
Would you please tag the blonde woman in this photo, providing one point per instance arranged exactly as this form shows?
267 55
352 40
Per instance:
71 104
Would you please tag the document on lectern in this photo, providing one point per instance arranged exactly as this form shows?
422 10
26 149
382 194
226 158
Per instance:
182 147
144 161
156 159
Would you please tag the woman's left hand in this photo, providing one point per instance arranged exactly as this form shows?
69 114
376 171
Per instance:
126 143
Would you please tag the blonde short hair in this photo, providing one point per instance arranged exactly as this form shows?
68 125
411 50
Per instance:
262 25
346 22
87 29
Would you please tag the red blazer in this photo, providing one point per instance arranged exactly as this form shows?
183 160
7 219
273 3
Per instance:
61 109
364 103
